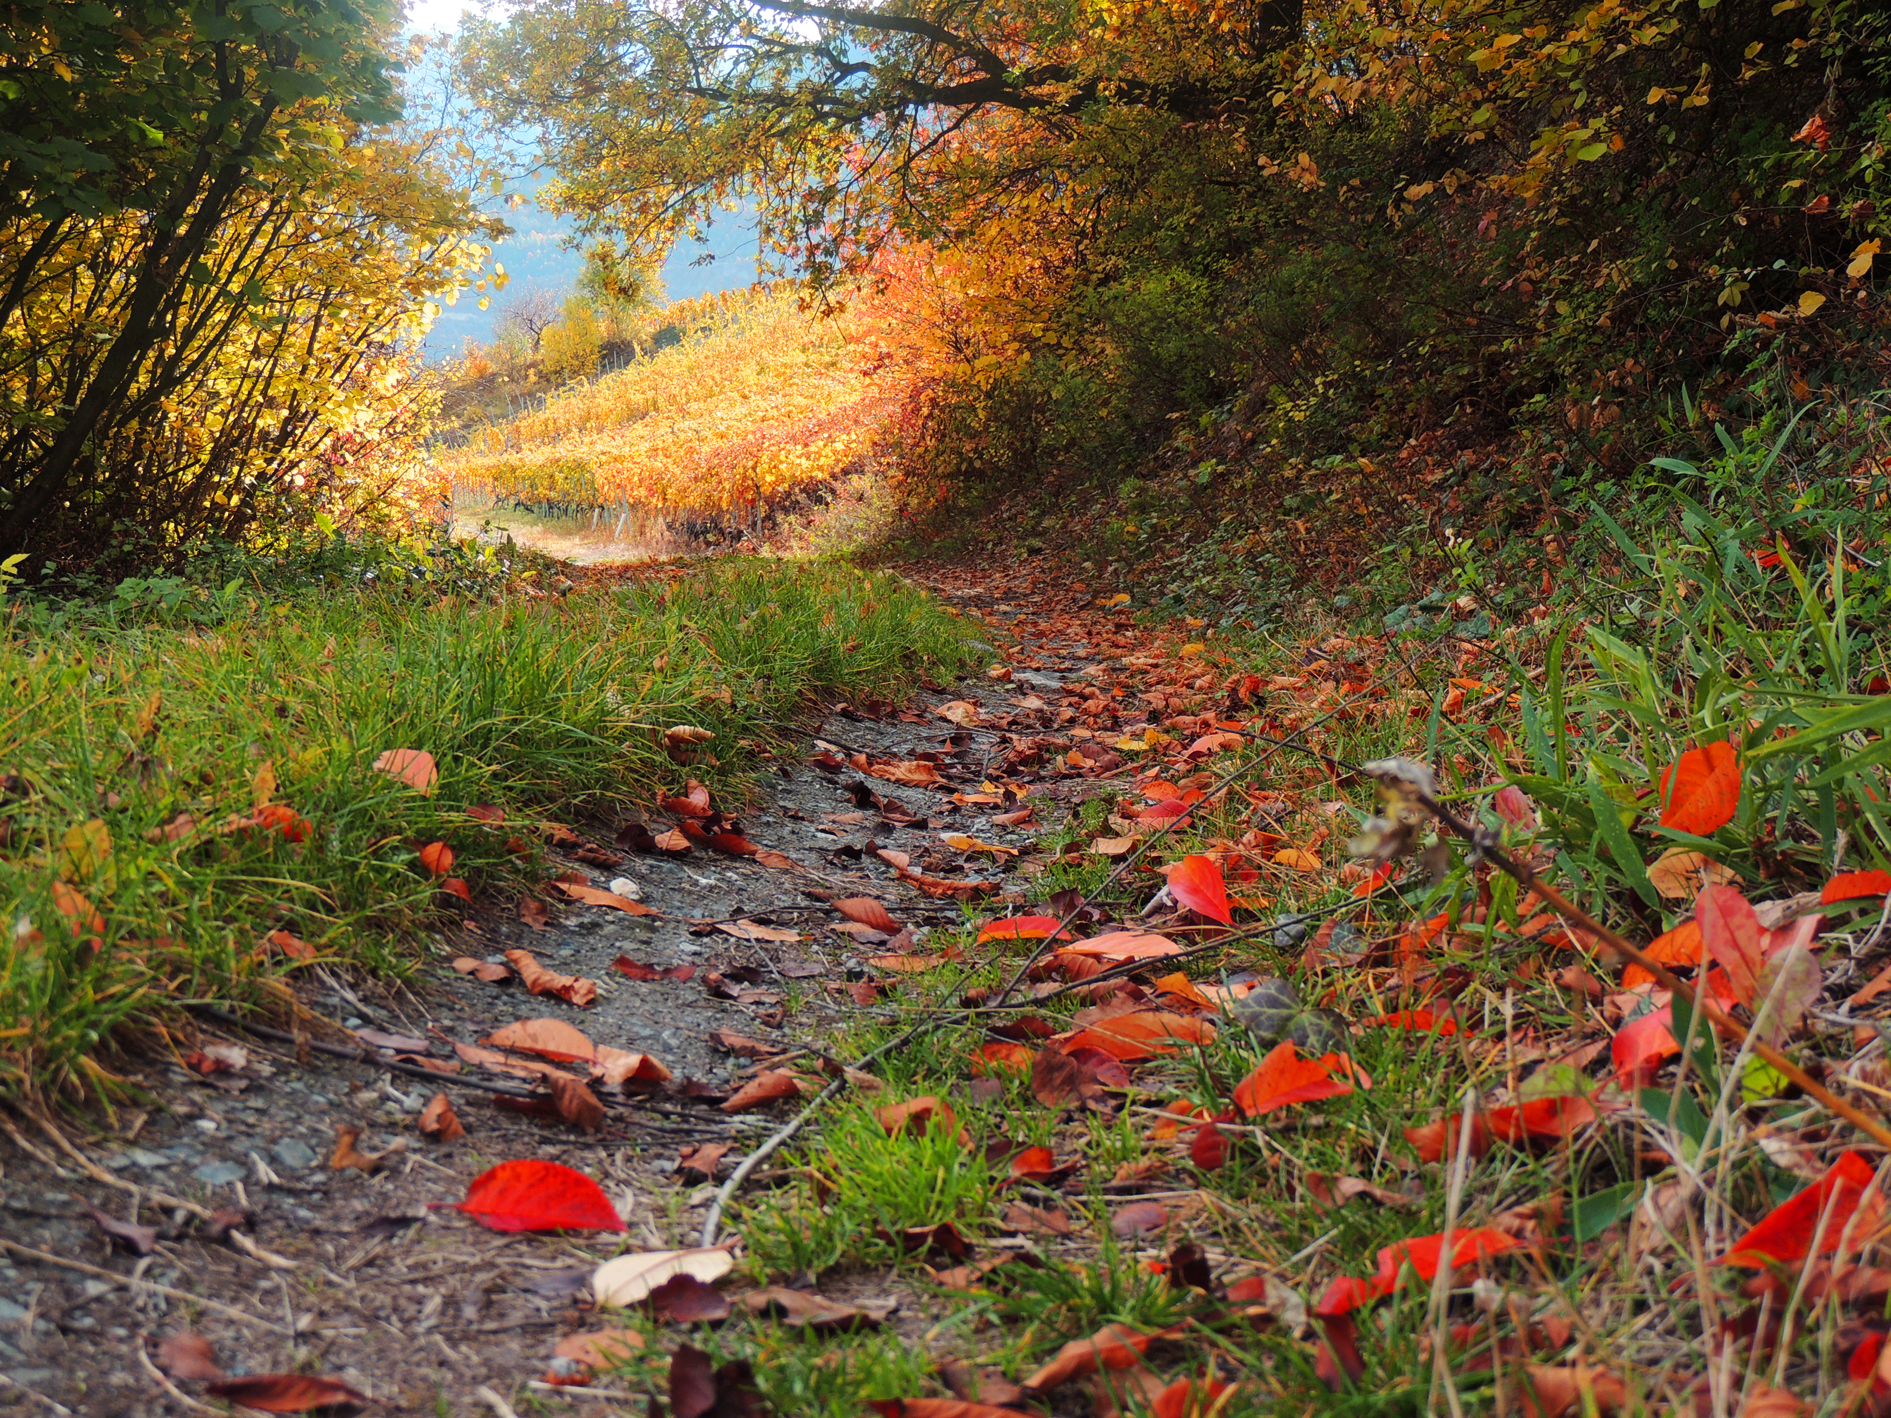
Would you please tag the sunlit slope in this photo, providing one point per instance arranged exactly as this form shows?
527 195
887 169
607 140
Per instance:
760 398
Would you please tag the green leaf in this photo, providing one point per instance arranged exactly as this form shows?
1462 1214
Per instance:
1621 846
1594 1214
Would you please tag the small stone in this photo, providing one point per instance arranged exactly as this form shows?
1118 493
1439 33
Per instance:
623 886
11 1313
218 1174
293 1153
351 1023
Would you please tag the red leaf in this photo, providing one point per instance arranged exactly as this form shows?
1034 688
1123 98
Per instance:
1188 1398
1196 882
1421 1254
1856 885
1542 1117
1734 938
1640 1045
1785 1234
1339 1355
285 1393
188 1355
1706 789
1284 1078
531 1195
455 887
937 1408
1680 946
1437 1141
1418 1021
1209 1151
437 858
989 1059
1023 928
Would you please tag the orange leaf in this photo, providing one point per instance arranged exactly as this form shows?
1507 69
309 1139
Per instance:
1196 882
868 912
923 1113
1023 928
1705 789
1284 1078
1542 1117
1139 1034
598 896
453 886
414 767
573 989
437 858
1115 1346
768 1087
1123 945
1296 859
989 1059
1680 946
285 1393
1856 885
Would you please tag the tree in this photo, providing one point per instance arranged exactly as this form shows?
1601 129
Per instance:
212 244
529 314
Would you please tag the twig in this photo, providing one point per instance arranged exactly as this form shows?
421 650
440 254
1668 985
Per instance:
1728 1026
105 1178
493 1401
53 1404
1439 1316
158 1376
228 1311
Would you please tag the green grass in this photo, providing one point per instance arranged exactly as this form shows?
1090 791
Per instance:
121 717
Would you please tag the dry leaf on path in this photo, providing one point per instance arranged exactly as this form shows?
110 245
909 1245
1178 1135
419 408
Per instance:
346 1154
438 1121
532 911
573 989
491 973
764 1088
962 712
1680 874
805 1308
684 1299
534 1195
597 896
1115 1346
188 1355
753 930
285 1393
866 911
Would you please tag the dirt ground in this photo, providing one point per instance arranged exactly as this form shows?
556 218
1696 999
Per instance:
375 1279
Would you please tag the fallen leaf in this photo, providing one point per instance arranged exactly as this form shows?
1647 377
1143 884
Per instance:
437 858
630 1279
637 970
685 735
438 1121
593 1350
909 774
1115 1346
779 861
1417 1021
346 1154
1284 1078
1140 1033
1643 1044
813 1312
1420 1255
684 1299
1553 1391
959 842
937 1408
1138 1217
1856 886
742 1045
1557 1117
1705 792
139 1240
1113 846
922 1114
868 912
285 1393
573 989
574 1103
1023 928
1844 1201
188 1355
769 1087
697 1391
1680 874
1196 882
1034 1220
751 930
597 896
1337 1191
1117 946
533 1195
412 766
486 970
1294 859
988 1059
906 964
1680 946
1436 1142
701 1159
532 911
962 712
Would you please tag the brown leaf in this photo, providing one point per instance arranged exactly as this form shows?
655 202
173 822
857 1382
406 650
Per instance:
573 989
683 1299
920 1113
485 970
501 1063
911 774
751 930
637 970
868 912
597 896
575 1103
286 1393
438 1121
532 911
139 1240
1552 1390
1058 1079
701 1159
346 1155
767 857
187 1355
805 1308
742 1046
584 1354
1138 1217
1115 1346
1330 1191
1033 1220
906 964
769 1087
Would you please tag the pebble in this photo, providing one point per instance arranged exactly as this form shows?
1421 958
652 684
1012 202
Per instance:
293 1153
11 1313
217 1174
623 886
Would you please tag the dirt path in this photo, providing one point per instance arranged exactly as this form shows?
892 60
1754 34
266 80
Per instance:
370 1277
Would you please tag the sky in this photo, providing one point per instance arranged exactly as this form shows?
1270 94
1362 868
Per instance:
535 256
